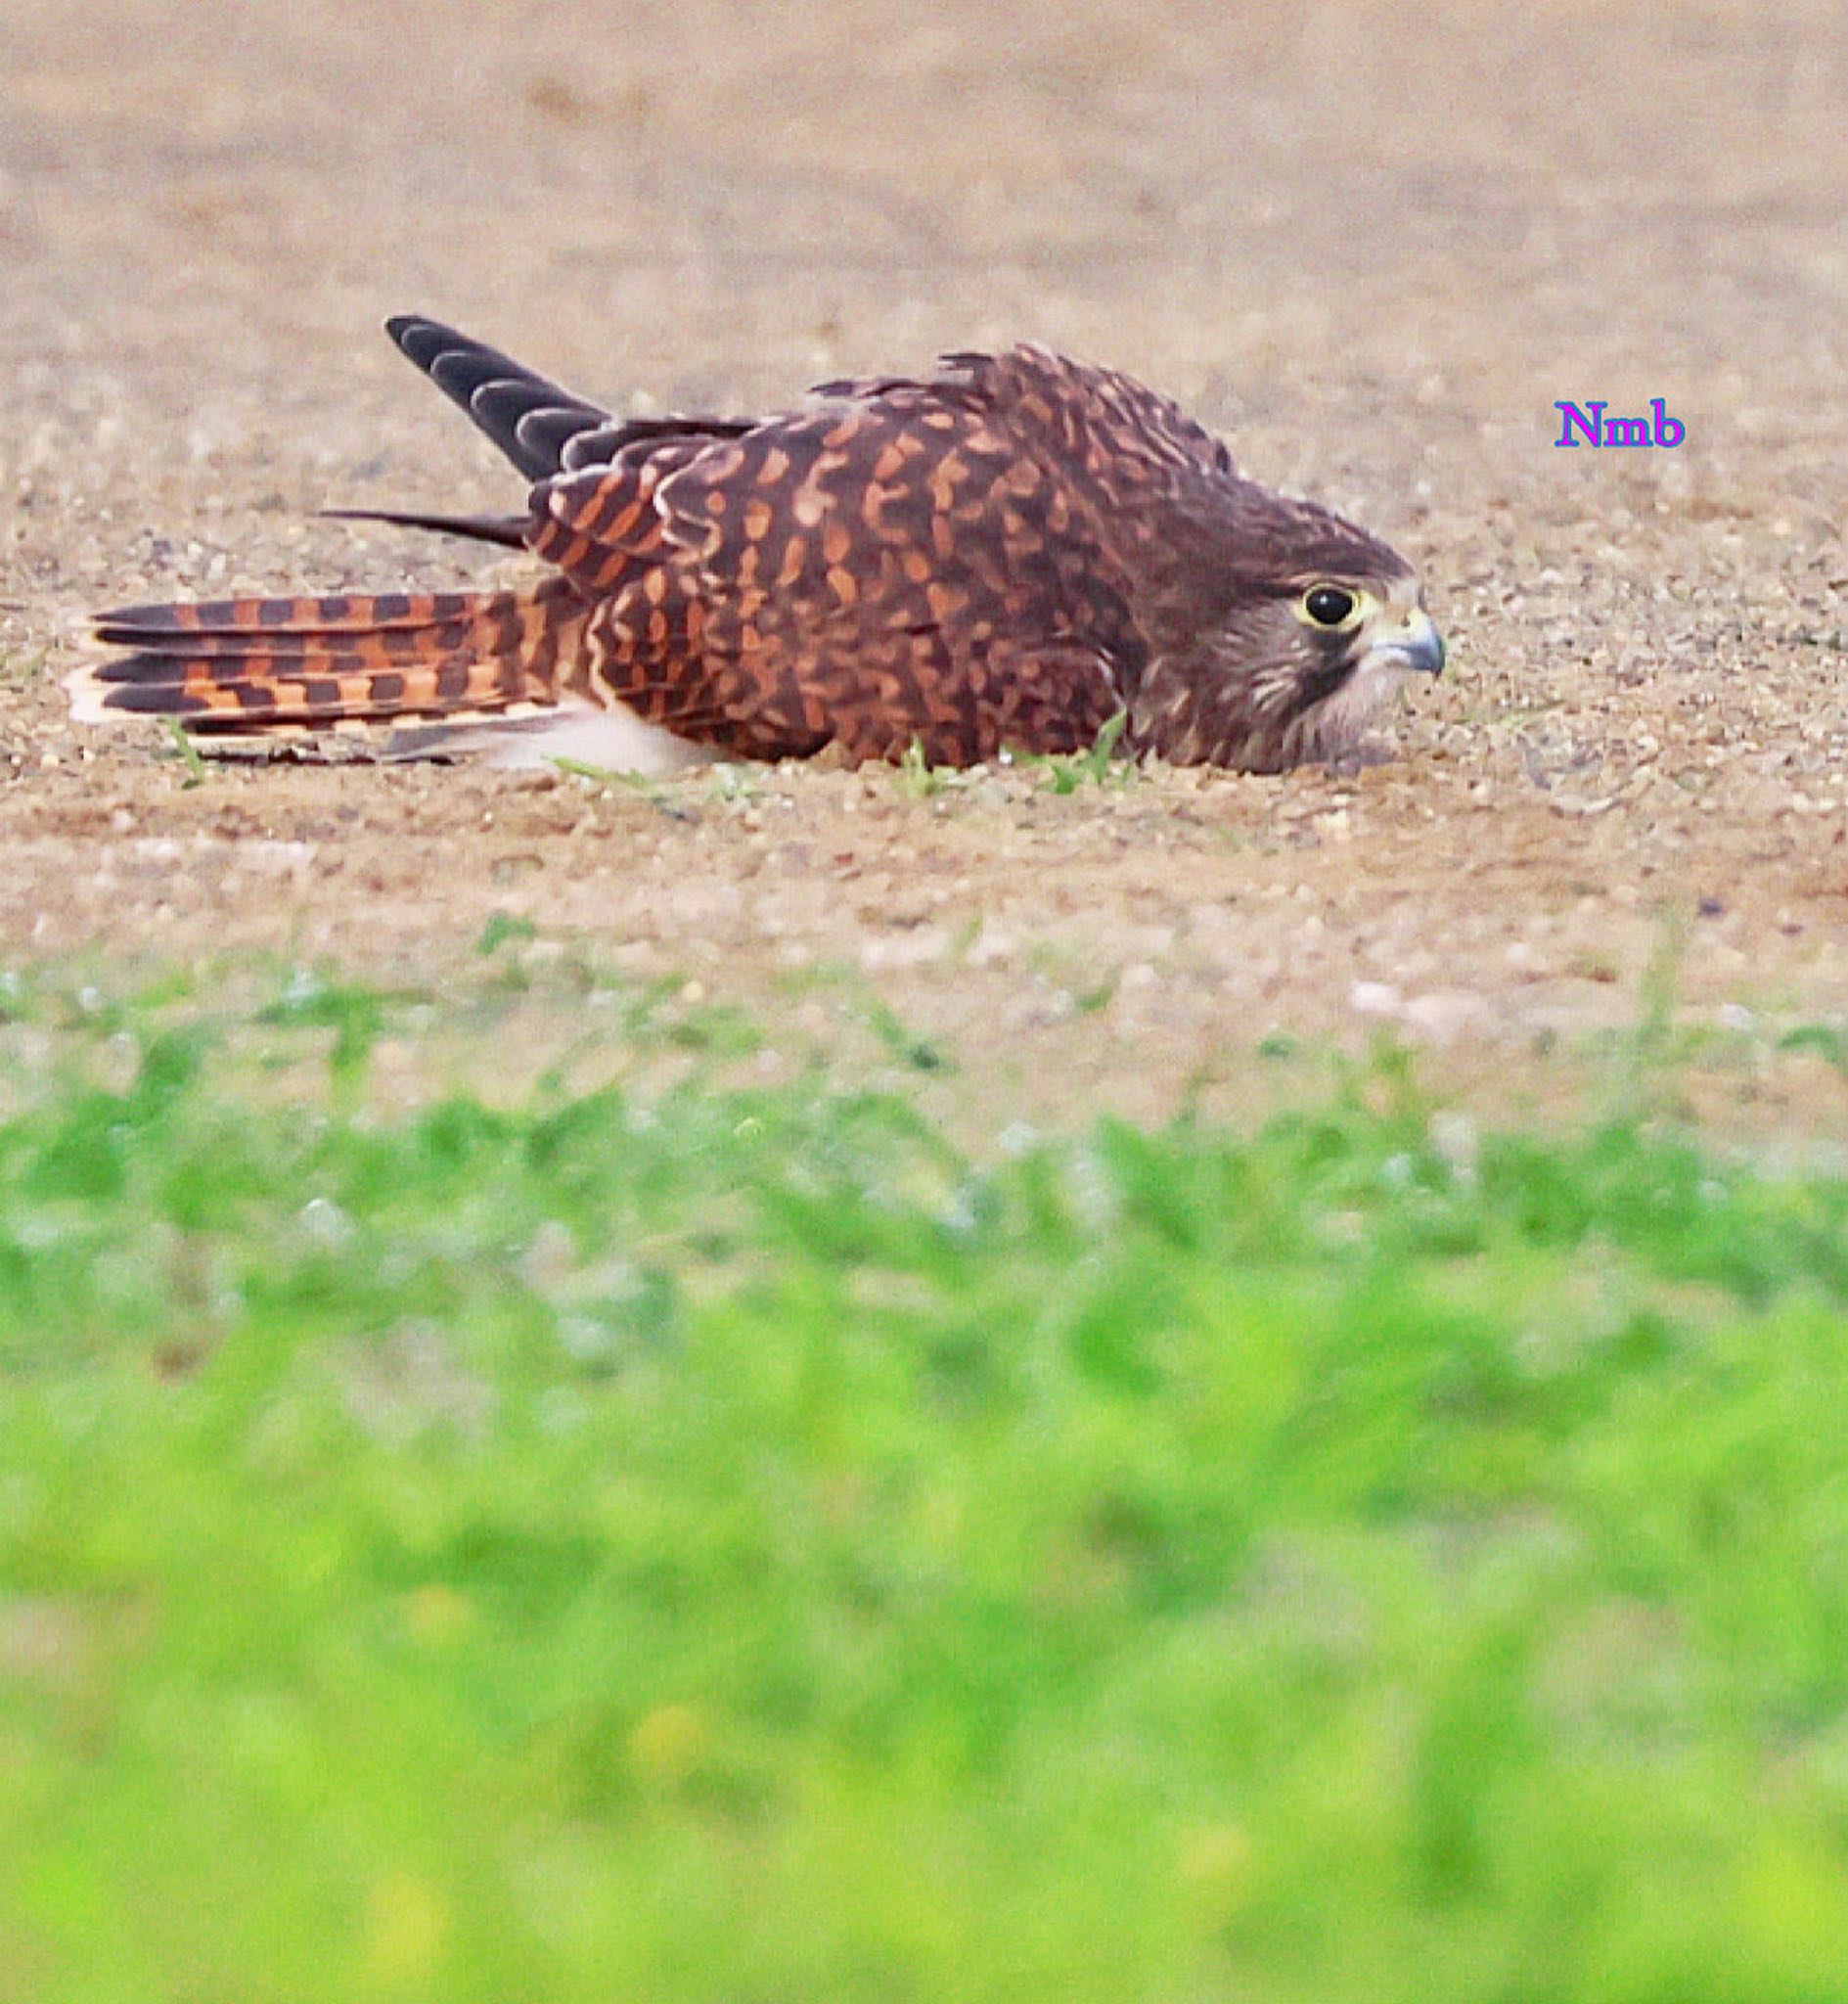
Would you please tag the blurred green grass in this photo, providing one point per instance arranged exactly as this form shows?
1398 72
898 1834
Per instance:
699 1542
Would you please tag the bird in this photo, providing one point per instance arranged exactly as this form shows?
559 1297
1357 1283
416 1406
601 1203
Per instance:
1013 552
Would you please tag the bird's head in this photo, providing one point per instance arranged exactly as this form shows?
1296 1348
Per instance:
1310 625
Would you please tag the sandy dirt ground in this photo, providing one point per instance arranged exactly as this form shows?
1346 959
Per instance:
1373 245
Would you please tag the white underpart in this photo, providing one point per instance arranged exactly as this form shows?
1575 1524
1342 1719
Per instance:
616 740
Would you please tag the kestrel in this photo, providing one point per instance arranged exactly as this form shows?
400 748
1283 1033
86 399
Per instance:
1004 555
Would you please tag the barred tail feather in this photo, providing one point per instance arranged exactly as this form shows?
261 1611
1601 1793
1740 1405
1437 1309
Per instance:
255 664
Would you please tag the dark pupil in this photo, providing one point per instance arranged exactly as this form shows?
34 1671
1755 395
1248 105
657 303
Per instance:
1328 607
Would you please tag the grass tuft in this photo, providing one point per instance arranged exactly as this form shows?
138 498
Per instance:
1099 766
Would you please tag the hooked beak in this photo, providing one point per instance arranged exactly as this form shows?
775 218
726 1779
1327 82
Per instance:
1419 646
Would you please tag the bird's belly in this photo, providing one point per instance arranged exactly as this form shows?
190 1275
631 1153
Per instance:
616 740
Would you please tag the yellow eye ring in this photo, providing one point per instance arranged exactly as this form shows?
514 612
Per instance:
1332 606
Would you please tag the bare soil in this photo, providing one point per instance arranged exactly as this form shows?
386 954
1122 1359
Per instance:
1371 244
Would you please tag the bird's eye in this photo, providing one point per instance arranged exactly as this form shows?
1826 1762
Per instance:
1329 605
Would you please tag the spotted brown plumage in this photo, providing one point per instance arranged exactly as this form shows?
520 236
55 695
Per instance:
1004 555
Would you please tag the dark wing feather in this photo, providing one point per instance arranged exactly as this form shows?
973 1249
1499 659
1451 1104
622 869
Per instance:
500 395
542 428
509 530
